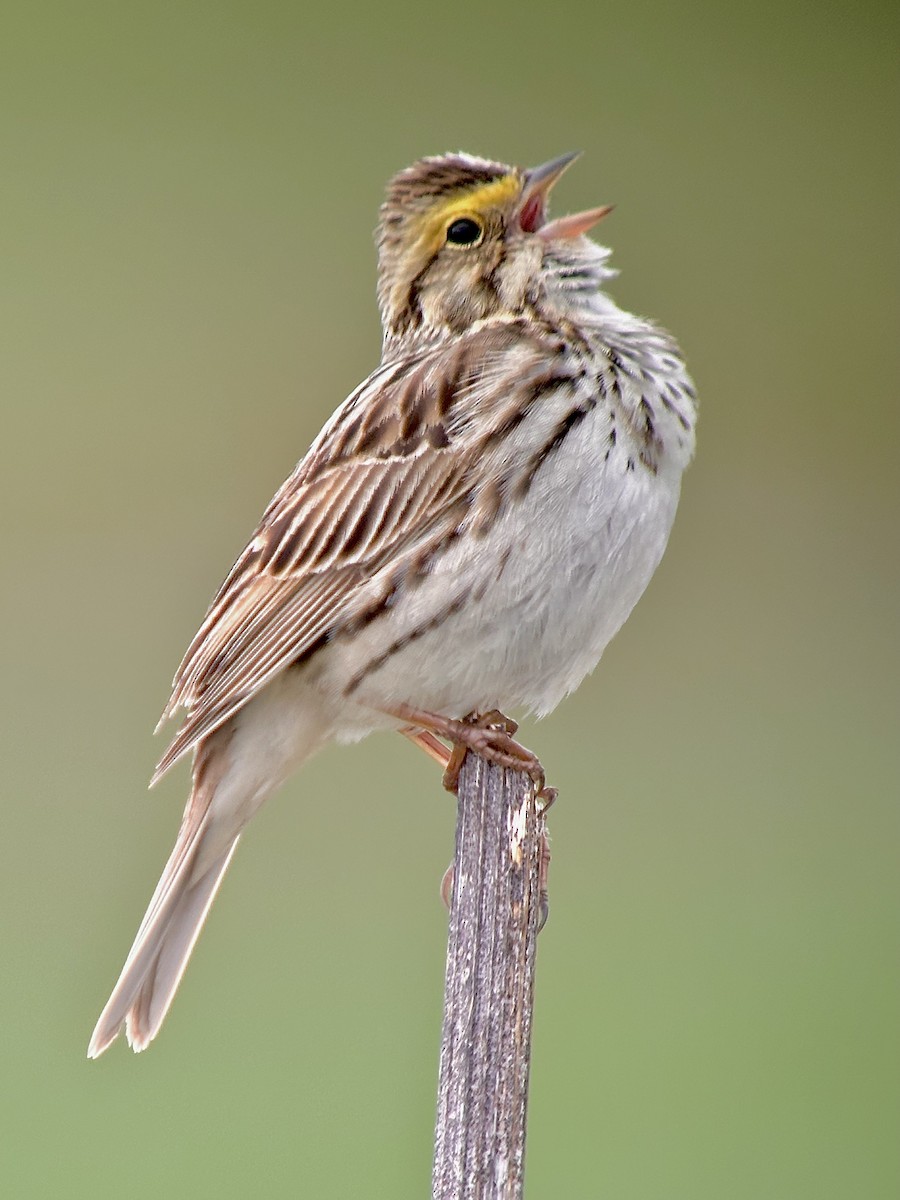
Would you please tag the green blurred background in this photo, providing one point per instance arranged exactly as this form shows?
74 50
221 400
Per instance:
188 194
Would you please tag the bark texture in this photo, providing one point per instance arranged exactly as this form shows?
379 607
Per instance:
489 992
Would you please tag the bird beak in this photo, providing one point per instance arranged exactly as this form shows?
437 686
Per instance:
532 214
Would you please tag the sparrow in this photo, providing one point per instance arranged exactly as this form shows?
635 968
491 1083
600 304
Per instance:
464 537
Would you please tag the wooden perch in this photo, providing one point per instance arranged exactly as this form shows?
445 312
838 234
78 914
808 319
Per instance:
486 1039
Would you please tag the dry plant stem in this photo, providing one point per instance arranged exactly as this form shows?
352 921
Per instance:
489 991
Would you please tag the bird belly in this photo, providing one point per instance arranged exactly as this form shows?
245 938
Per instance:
516 618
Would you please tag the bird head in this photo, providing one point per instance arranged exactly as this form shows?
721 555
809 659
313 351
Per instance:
462 239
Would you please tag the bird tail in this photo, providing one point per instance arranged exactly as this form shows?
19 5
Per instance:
235 768
166 937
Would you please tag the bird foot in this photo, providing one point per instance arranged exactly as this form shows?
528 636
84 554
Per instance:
489 735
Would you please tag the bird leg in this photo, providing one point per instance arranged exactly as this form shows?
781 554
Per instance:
426 741
487 734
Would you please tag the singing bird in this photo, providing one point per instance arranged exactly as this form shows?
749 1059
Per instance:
466 534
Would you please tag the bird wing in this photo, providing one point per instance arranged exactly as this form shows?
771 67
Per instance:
400 466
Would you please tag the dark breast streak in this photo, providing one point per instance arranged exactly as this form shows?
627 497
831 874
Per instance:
488 499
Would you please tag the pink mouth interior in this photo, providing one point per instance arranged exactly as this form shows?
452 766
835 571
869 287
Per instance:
531 218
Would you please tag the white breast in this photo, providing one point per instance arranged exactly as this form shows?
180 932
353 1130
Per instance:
518 618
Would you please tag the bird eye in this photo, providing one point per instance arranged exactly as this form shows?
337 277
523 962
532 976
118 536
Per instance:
464 232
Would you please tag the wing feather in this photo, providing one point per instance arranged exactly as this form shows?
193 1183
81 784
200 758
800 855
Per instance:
394 471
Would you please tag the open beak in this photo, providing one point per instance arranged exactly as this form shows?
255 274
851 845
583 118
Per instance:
533 212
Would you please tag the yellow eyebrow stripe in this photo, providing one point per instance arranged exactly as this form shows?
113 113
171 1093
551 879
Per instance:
487 195
480 199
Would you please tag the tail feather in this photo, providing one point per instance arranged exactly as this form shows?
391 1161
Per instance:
161 982
164 941
235 768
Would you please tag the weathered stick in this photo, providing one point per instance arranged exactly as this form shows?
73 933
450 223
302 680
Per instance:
489 991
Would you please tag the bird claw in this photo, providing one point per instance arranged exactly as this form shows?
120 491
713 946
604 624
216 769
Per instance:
547 797
489 735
